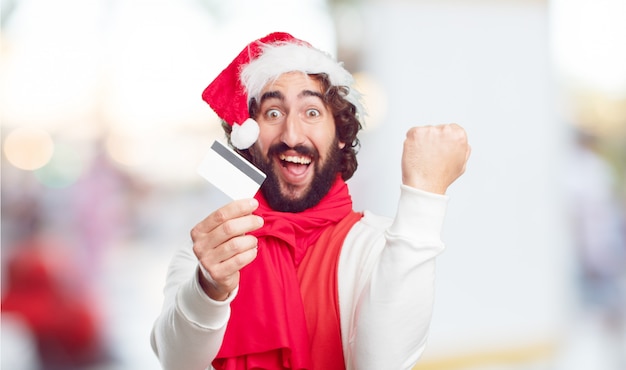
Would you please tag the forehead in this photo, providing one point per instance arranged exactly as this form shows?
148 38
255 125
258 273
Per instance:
294 83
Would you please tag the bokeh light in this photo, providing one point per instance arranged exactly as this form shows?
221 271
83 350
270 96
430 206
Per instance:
374 99
64 168
128 150
28 148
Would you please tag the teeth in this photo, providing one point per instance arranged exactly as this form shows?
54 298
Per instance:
294 159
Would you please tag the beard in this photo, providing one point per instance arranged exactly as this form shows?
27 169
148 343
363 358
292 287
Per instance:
324 177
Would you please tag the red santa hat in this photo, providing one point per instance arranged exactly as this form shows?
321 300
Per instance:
260 62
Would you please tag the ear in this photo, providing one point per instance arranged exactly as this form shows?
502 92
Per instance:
342 145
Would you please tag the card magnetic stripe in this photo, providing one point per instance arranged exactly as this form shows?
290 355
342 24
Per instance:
240 163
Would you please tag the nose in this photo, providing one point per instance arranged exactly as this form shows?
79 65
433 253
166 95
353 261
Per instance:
293 133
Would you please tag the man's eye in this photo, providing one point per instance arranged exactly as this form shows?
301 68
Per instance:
312 113
273 113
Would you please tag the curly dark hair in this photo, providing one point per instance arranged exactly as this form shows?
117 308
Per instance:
347 124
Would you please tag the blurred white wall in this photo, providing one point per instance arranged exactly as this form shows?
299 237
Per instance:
503 281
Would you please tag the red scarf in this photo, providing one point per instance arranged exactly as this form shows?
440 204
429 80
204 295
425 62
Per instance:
268 324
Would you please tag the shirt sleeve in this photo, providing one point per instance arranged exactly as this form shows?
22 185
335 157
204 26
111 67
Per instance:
189 331
386 280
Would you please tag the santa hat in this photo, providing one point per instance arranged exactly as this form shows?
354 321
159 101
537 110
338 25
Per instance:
260 62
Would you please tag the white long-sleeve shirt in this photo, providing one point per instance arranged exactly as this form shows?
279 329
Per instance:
385 275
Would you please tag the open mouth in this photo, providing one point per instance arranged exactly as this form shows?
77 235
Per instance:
295 165
295 159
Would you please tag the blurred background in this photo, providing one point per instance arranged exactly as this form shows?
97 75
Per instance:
103 128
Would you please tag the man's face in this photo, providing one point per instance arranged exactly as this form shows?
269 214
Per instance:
297 146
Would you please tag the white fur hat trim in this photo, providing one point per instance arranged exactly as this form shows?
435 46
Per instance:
279 58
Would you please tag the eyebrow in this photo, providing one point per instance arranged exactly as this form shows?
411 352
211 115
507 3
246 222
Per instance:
278 95
311 93
272 95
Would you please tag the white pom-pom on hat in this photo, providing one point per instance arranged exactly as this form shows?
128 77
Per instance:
244 135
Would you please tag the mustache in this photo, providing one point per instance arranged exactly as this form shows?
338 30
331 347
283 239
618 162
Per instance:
300 149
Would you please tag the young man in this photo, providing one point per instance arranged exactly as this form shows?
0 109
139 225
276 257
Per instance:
294 278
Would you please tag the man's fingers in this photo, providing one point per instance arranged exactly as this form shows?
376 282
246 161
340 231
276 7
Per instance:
236 227
230 211
222 271
231 220
223 251
226 240
224 277
434 156
233 247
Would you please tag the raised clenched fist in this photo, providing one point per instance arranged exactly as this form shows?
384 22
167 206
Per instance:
434 157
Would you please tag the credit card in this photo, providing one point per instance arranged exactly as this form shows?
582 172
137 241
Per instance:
230 172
